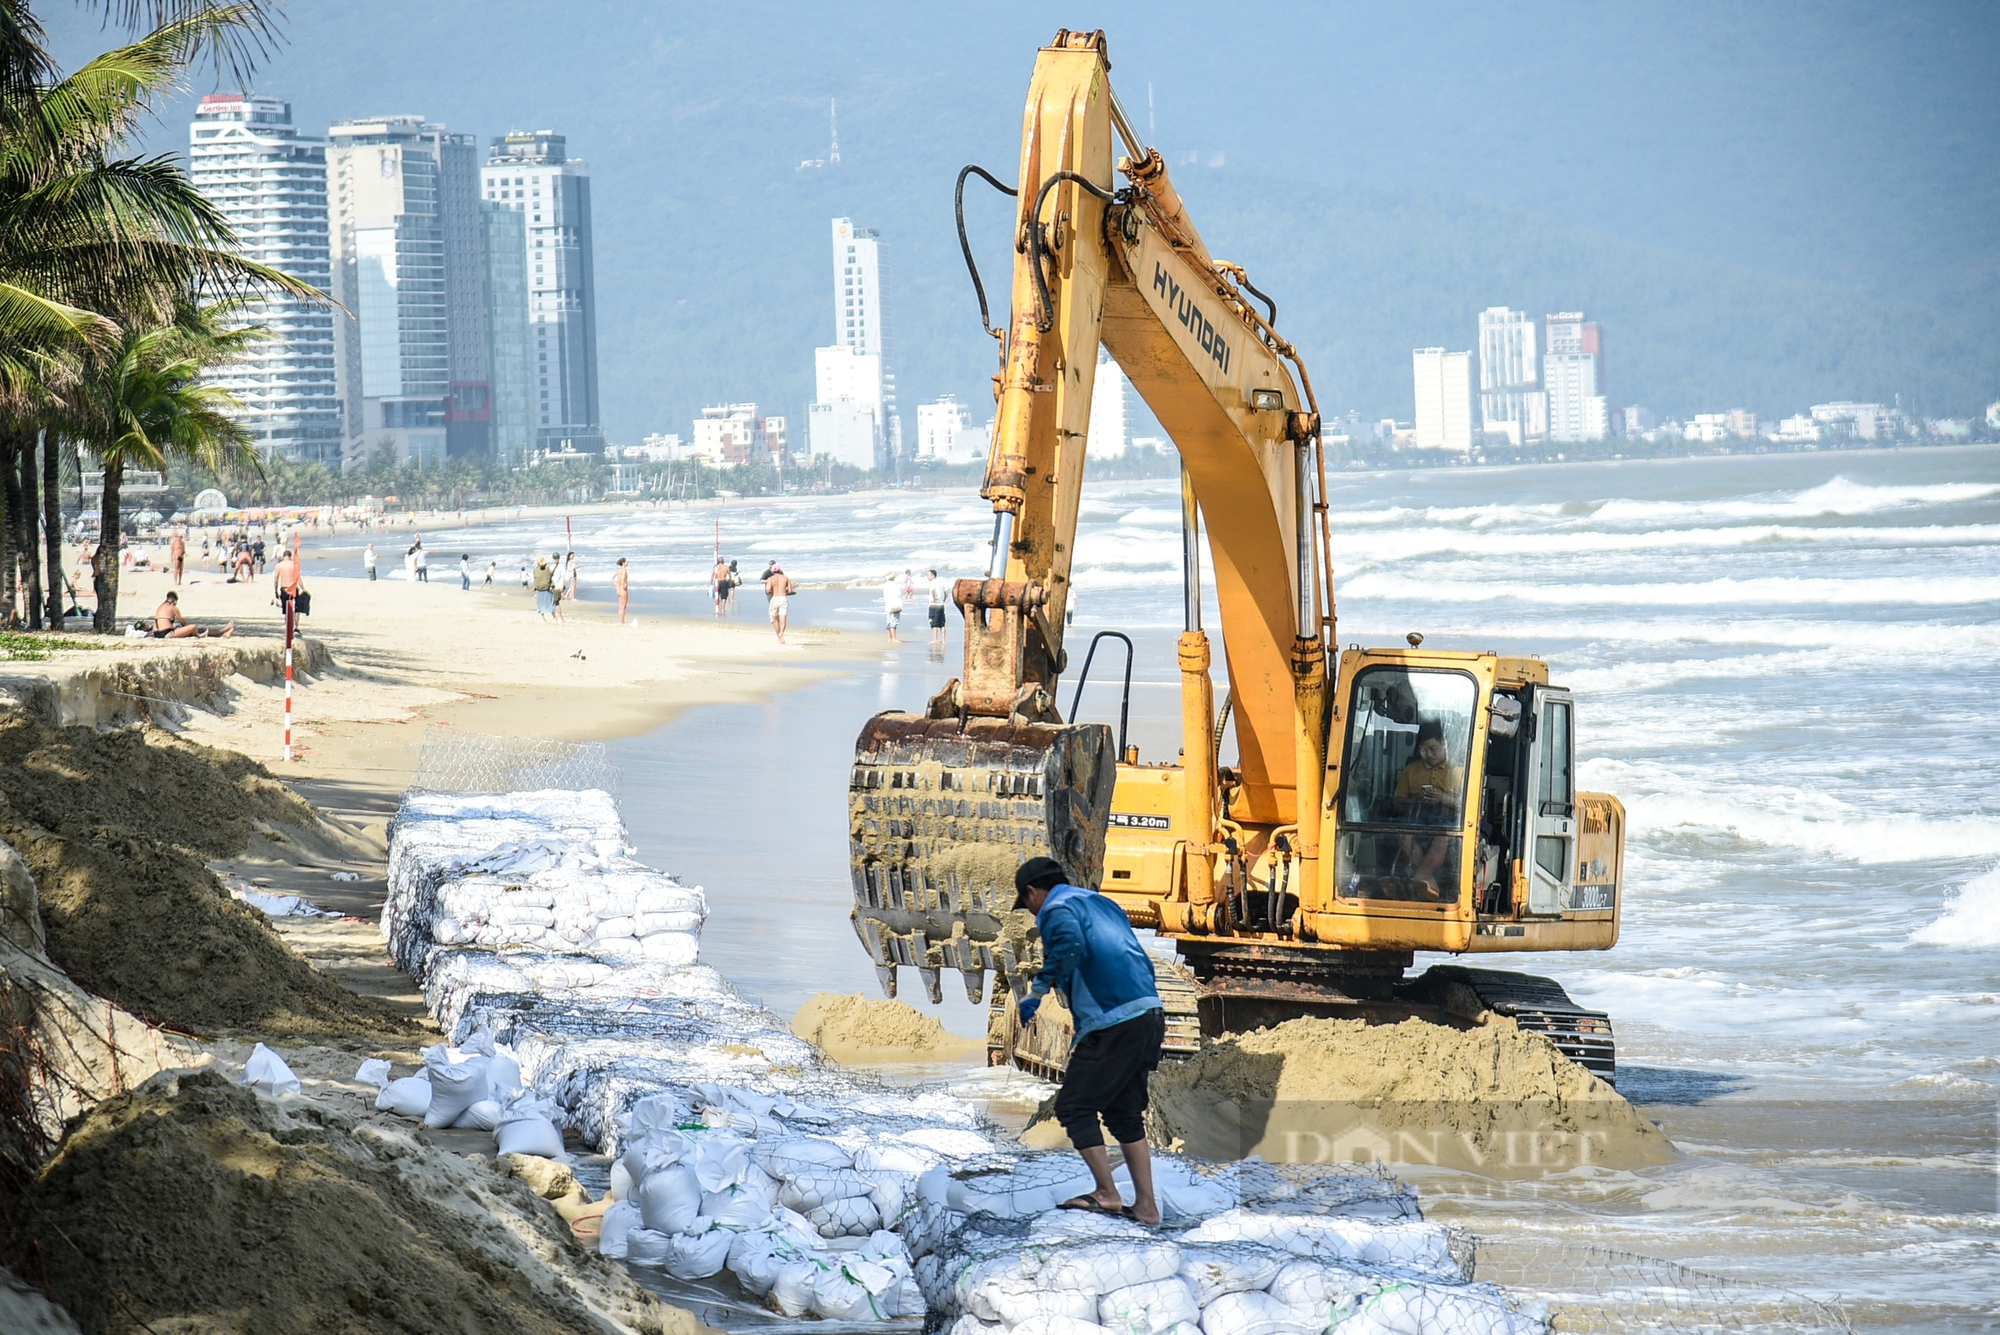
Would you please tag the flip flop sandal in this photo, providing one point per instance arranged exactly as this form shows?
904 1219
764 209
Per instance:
1091 1205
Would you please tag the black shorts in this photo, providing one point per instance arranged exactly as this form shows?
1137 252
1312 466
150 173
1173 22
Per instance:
937 616
1107 1076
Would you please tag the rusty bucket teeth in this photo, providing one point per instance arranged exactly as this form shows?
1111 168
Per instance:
940 815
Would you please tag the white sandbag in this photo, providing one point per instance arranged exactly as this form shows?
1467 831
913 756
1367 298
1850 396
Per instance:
674 949
670 1198
1213 1271
1057 1325
753 1125
1002 1194
789 1155
806 1190
621 1181
720 1161
1181 1191
792 1290
969 1324
1149 1308
888 1190
608 929
756 1257
454 1088
617 1222
647 924
374 1071
655 1112
908 1296
1419 1309
1421 1246
737 1207
1100 1267
503 1076
886 1247
852 1217
527 1132
408 1097
658 1148
481 1116
1254 1313
914 1160
1320 1285
698 1255
267 1073
1012 1301
852 1290
647 1246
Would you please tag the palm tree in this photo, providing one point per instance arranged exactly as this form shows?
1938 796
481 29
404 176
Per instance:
146 405
91 242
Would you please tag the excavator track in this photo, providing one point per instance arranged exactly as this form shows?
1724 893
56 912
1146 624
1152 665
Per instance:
1538 1005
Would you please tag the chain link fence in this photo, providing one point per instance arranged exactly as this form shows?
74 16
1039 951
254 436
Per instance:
1590 1288
470 762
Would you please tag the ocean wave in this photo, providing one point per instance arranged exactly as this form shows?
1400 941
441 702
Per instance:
1971 918
1793 590
1661 802
1404 544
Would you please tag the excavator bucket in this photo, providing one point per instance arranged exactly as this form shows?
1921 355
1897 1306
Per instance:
942 812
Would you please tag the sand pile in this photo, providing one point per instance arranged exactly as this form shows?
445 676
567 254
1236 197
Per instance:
1493 1100
194 1204
117 829
861 1029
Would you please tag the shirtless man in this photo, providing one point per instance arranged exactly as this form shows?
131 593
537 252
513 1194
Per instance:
169 624
177 551
719 580
621 580
779 588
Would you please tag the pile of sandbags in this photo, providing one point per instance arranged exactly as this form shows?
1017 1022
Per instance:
530 892
474 1087
740 1159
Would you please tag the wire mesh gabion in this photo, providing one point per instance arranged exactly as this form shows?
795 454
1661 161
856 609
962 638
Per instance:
470 762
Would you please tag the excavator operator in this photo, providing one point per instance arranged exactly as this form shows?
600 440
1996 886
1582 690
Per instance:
1428 792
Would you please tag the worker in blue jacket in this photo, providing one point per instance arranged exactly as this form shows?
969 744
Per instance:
1091 955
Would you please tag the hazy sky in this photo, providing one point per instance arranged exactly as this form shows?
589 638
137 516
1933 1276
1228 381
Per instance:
1847 143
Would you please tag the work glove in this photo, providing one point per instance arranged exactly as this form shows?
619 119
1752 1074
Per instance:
1029 1005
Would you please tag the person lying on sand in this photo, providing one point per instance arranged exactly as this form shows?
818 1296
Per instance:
170 624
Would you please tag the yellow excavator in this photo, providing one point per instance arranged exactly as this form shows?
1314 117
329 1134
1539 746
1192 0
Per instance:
1381 801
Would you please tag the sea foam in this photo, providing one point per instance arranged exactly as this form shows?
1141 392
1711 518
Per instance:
1971 918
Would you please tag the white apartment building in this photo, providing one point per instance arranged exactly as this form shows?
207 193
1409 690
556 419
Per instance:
413 358
531 174
1707 428
1110 410
1511 400
1444 399
1863 421
845 419
861 321
945 433
270 183
1573 372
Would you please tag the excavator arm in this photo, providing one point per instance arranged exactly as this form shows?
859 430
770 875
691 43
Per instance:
945 805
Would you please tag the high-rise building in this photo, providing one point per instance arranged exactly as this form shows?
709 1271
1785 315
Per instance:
532 175
1573 370
945 433
1444 399
1109 410
861 319
504 235
844 421
1511 401
405 230
270 183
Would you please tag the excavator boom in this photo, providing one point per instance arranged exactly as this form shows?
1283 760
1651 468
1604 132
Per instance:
1286 883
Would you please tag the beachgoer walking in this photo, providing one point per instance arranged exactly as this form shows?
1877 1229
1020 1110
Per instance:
368 561
1092 957
545 599
257 556
621 580
938 597
735 583
423 563
779 588
465 572
719 581
570 570
492 569
177 550
892 604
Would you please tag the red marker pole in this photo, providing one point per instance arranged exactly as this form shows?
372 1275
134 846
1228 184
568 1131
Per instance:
290 598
